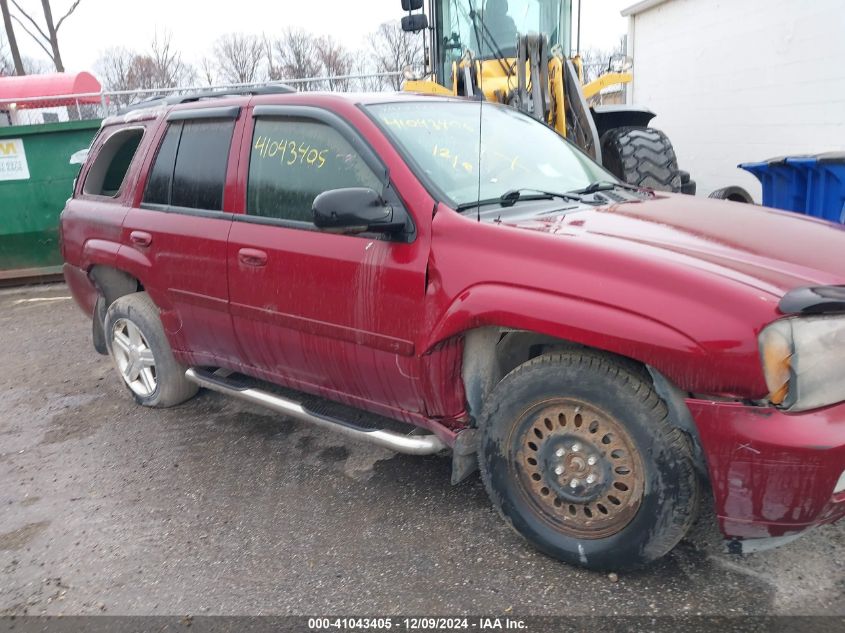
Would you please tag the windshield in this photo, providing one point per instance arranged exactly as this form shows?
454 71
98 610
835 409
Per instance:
441 138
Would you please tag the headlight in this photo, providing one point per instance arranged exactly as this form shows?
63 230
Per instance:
804 361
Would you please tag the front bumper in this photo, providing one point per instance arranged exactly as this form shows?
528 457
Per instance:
773 474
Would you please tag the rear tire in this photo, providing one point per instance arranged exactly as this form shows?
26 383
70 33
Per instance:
138 346
641 156
581 417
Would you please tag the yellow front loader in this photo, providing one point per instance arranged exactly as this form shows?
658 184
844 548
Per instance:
516 52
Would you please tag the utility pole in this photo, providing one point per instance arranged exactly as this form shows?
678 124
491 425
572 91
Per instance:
10 35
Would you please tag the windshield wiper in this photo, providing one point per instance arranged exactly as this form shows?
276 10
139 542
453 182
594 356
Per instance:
604 185
509 198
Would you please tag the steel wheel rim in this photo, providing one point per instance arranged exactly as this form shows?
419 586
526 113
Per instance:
134 357
578 468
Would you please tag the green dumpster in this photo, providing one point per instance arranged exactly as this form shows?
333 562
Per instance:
36 178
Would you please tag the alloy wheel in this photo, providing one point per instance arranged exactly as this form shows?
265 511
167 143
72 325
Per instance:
134 358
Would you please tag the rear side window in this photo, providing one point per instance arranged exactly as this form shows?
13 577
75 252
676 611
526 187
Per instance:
108 172
190 167
161 175
294 160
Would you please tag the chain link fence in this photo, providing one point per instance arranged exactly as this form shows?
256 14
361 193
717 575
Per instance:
99 105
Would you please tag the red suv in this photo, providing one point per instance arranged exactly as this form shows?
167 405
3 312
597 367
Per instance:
374 265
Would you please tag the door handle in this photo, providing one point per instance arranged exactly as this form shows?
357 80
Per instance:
252 257
140 238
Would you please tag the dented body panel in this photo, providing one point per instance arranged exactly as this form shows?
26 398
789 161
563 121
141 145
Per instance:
682 285
772 474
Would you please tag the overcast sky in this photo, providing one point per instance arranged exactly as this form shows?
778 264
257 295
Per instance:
195 24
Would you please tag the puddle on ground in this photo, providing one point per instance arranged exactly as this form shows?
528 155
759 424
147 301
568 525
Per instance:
20 538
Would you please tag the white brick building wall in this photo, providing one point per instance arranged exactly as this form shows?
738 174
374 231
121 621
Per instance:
740 80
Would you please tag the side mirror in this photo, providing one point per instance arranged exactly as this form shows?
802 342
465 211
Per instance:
354 210
414 23
411 5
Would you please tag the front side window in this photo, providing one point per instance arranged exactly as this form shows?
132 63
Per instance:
190 168
294 160
471 151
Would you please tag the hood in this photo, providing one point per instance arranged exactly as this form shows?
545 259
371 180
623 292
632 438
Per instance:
773 251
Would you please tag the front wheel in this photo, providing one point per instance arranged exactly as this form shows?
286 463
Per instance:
579 457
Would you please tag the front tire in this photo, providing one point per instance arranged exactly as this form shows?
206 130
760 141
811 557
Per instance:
641 156
138 346
578 455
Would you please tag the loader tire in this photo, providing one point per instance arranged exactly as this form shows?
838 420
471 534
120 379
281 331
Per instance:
641 156
688 185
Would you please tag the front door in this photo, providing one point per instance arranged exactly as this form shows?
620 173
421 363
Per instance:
326 313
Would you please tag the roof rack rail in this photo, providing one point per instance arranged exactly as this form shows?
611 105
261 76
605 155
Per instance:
207 94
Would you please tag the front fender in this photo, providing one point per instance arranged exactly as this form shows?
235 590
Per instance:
596 325
622 115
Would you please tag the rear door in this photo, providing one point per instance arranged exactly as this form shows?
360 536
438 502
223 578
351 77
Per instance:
177 232
327 313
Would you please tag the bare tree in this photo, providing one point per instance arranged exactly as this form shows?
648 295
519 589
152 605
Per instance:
167 67
114 67
208 70
393 50
7 66
295 55
47 37
33 66
14 52
122 69
363 66
274 71
336 61
239 58
29 65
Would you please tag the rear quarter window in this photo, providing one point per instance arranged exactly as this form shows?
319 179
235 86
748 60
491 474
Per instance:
107 174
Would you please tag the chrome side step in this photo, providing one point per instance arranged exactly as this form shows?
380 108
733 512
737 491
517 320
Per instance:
409 444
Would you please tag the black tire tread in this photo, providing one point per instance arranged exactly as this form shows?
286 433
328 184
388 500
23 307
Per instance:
641 156
636 383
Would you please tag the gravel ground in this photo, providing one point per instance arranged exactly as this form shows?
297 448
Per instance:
215 507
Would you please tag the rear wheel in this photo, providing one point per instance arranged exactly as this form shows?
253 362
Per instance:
641 156
579 457
138 346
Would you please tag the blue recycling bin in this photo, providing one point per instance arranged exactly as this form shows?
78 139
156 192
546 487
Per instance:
812 185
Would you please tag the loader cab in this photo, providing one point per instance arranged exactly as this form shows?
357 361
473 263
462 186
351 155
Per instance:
489 29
